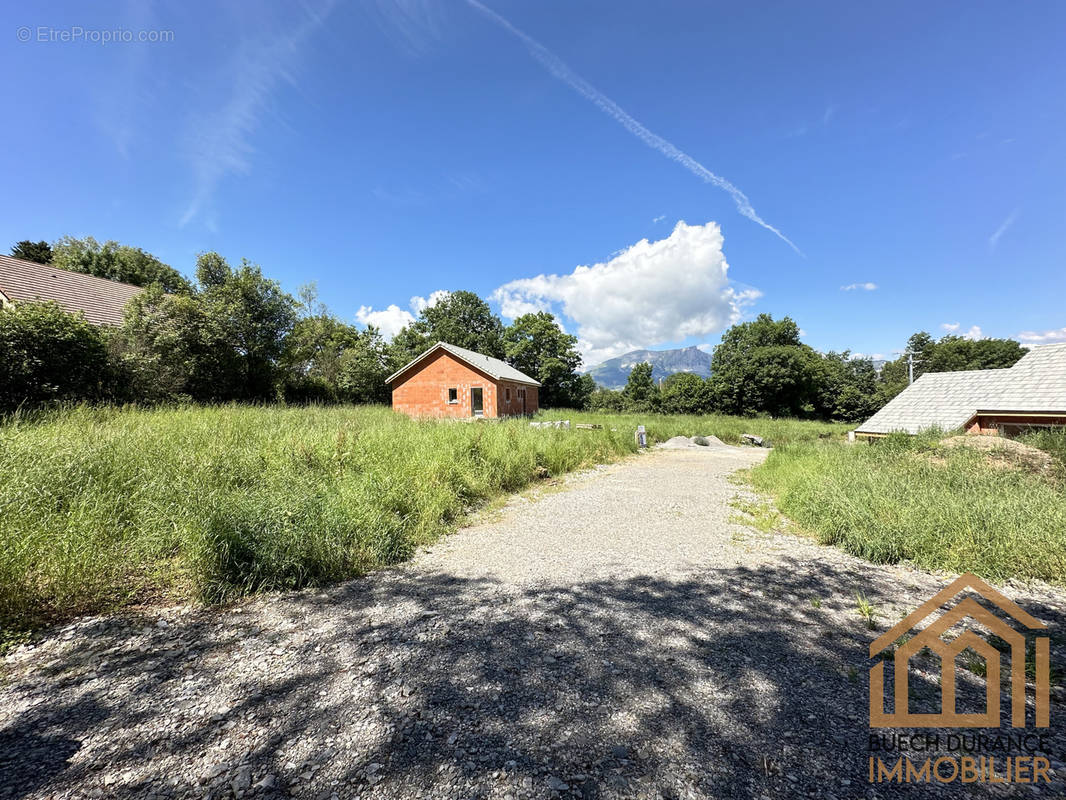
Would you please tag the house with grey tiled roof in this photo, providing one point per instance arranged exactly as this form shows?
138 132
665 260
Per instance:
1032 393
101 301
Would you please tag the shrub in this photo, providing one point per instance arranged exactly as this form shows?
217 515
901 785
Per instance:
48 355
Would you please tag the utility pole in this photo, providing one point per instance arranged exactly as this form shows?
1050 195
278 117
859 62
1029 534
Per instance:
911 361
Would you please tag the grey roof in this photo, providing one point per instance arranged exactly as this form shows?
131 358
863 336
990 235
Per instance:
948 400
100 300
493 367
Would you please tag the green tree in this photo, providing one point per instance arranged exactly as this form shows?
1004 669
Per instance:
953 353
363 369
312 352
406 345
537 346
686 393
165 352
461 318
252 315
116 262
40 252
641 393
850 391
604 399
49 356
762 367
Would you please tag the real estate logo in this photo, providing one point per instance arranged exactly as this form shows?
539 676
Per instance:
967 757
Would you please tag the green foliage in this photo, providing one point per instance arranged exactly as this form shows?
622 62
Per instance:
762 367
40 252
603 399
104 507
164 350
641 393
460 318
325 360
363 370
250 313
907 498
686 393
48 355
536 345
116 262
313 352
849 389
222 341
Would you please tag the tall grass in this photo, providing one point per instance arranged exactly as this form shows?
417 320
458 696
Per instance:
105 507
907 498
1052 441
661 427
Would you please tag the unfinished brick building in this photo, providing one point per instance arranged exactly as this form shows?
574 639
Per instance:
450 381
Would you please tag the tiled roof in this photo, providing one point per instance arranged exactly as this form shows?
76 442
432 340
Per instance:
493 367
947 400
102 301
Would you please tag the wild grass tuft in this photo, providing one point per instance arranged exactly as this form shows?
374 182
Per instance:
866 610
907 498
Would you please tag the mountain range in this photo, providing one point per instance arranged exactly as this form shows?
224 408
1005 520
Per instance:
614 372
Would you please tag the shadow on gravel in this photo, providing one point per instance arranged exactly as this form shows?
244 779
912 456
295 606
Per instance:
731 686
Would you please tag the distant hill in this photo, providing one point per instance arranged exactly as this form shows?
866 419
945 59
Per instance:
614 372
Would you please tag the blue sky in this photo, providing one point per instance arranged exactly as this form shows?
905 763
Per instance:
543 154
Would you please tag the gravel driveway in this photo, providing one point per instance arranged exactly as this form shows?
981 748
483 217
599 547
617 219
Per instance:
614 636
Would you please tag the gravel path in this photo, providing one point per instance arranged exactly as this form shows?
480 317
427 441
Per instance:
619 635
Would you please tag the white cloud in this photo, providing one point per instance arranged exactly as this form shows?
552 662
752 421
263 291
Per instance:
974 333
419 303
993 240
1043 337
651 292
866 287
392 319
659 219
706 347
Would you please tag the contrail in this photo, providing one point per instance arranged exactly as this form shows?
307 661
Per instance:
557 67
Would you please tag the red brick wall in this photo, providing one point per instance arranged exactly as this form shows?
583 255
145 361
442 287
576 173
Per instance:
992 424
422 391
512 404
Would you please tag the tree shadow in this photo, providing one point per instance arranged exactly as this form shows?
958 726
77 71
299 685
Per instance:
727 684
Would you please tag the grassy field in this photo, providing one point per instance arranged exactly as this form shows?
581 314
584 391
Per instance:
908 498
661 427
109 507
100 508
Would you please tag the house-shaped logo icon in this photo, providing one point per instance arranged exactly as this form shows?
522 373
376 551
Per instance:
947 649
